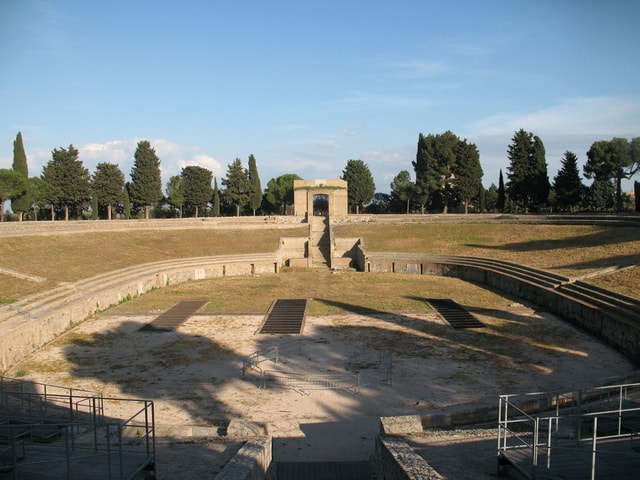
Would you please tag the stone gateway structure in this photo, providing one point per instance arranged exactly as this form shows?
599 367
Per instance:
320 197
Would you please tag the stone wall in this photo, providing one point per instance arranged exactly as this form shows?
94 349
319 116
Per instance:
616 326
395 460
30 323
251 462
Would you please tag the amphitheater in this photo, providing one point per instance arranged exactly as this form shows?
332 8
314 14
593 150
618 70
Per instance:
169 356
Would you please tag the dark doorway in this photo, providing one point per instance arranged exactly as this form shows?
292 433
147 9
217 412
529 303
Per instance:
321 205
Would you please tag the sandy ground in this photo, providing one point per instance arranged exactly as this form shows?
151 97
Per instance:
194 376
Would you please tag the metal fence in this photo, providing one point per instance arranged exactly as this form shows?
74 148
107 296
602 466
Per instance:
307 380
67 436
543 434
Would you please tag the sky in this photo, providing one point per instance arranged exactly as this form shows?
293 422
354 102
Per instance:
305 86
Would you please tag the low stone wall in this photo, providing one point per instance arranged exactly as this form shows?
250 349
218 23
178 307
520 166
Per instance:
396 460
251 462
616 327
32 322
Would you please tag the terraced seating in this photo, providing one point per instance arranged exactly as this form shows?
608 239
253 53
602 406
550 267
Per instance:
30 322
612 317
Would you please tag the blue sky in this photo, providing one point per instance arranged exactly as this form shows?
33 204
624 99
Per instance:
306 86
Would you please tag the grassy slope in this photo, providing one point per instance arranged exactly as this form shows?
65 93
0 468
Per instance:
570 250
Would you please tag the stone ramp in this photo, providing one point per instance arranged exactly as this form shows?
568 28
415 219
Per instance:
454 314
169 320
286 316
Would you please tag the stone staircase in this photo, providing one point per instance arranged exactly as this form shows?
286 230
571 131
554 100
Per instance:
319 243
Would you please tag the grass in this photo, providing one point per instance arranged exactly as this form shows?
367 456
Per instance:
330 293
571 250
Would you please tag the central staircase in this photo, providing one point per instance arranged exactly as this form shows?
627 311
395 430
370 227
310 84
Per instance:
319 242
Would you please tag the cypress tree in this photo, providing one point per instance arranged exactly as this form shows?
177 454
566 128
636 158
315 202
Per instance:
255 200
146 184
20 203
216 198
501 194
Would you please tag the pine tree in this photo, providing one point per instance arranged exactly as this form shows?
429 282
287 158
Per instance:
615 160
360 185
108 186
175 192
12 184
402 189
528 185
567 184
238 188
146 183
255 200
20 203
467 174
69 180
197 187
279 194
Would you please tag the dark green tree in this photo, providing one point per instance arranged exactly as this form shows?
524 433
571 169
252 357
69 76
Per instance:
528 184
567 185
502 194
255 200
601 195
467 174
175 192
434 165
197 187
420 167
146 184
12 184
381 203
20 204
216 198
402 189
126 208
616 159
237 186
69 180
279 193
40 196
108 187
491 198
360 185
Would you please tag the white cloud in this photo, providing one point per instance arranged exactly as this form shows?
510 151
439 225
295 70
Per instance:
574 116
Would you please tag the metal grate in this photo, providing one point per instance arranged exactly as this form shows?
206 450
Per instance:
169 320
454 314
286 316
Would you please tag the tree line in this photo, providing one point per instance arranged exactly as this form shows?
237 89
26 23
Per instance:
447 171
448 175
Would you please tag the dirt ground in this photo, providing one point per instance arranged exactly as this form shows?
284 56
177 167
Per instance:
194 376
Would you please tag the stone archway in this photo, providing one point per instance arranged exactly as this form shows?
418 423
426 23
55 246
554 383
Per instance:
320 204
320 197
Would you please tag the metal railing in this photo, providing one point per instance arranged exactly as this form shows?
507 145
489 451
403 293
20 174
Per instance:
535 428
306 381
68 435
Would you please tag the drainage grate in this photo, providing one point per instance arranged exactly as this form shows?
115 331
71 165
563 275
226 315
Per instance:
169 320
453 313
286 316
